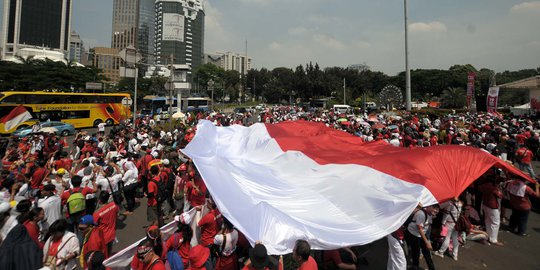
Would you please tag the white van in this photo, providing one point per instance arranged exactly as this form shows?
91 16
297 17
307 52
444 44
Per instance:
342 109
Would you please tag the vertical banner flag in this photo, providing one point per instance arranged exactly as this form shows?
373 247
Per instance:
470 88
492 97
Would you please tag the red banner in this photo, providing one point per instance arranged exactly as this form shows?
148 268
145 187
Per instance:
470 88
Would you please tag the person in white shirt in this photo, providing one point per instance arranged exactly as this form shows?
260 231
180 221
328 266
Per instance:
68 248
52 206
452 210
130 179
416 238
101 128
226 241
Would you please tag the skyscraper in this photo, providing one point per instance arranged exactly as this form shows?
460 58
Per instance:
76 48
180 32
36 23
134 24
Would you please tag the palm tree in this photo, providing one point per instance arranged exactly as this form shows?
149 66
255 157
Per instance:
454 97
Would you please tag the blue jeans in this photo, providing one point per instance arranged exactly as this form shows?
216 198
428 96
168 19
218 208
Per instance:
528 168
518 220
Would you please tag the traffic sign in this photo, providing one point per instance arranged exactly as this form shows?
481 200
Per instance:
130 55
127 101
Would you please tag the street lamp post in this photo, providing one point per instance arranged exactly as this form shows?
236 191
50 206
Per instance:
211 85
407 70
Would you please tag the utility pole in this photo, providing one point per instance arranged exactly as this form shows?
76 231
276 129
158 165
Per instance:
171 84
407 70
254 95
344 94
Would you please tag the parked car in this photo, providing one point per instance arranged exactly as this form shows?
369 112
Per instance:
63 129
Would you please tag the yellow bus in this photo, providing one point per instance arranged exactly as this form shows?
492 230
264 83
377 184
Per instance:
79 109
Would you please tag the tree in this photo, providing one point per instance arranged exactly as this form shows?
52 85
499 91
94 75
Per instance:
454 97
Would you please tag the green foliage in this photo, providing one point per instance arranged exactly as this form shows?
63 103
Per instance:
454 98
33 75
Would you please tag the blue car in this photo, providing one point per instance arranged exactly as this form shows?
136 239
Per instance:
62 129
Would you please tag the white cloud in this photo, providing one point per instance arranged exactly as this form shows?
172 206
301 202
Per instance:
329 41
274 46
297 31
529 7
322 19
431 27
361 44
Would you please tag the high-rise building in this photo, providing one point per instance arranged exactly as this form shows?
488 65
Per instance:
180 32
230 61
108 61
134 24
36 24
76 48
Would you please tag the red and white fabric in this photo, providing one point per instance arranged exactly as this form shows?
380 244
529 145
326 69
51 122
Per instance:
18 115
301 180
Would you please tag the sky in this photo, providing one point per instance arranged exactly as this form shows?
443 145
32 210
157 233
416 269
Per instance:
496 34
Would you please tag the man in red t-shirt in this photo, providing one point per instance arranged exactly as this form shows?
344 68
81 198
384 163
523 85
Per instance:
196 188
524 157
208 225
301 253
92 238
105 219
153 211
521 205
38 176
490 204
76 181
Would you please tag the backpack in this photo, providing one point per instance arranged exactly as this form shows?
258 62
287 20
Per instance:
76 203
400 232
173 258
162 190
463 224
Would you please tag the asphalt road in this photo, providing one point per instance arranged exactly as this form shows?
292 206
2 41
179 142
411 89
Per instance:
517 253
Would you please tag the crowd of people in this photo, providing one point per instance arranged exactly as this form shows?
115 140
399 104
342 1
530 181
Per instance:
60 200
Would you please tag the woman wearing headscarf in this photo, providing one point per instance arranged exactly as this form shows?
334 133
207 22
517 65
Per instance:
16 243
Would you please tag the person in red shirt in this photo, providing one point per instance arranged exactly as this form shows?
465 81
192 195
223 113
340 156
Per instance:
181 241
196 188
30 220
38 176
147 257
105 219
301 253
153 211
521 205
333 257
490 204
208 225
76 181
92 238
524 157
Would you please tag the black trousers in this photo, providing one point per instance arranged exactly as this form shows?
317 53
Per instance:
416 244
130 192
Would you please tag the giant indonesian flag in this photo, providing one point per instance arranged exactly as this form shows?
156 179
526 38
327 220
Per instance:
301 180
18 115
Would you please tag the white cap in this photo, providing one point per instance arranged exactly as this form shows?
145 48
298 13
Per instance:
155 154
165 161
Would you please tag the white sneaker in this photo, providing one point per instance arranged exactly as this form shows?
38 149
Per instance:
438 253
455 258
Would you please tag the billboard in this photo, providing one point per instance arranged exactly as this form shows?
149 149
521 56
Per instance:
173 27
